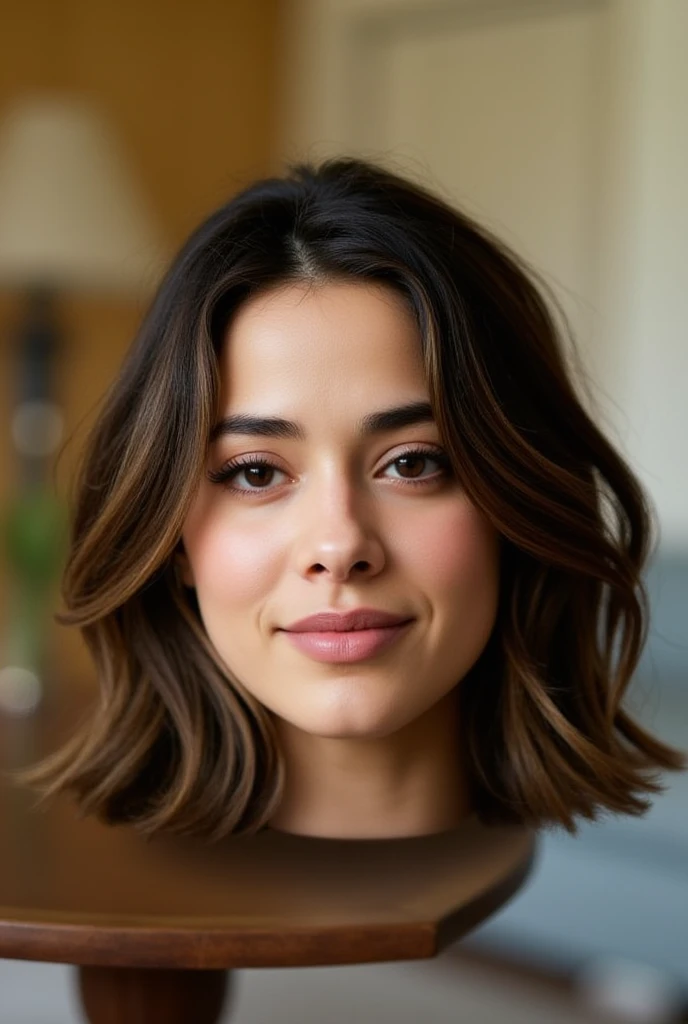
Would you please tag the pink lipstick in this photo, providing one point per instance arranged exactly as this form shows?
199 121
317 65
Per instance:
347 637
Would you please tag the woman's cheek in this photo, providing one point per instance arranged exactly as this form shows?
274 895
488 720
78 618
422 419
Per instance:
232 565
458 549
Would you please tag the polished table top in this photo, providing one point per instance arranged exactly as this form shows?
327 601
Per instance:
75 891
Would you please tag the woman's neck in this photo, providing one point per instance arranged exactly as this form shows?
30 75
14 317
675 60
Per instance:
410 783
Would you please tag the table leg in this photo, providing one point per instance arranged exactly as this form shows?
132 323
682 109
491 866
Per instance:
133 995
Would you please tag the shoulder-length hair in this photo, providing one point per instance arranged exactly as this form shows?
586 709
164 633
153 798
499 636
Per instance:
175 743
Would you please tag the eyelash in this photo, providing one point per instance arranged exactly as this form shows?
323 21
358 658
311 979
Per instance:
234 466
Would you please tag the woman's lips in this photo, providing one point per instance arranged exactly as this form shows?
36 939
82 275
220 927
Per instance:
352 645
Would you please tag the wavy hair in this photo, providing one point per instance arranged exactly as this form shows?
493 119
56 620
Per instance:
174 742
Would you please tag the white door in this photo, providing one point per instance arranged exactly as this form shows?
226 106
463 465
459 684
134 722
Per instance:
561 125
501 107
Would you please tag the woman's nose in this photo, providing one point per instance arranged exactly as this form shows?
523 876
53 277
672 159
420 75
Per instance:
340 538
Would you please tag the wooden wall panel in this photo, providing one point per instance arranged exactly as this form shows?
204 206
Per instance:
190 89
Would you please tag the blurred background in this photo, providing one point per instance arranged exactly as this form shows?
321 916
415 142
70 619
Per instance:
561 124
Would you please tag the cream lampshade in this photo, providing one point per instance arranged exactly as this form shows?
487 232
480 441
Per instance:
72 216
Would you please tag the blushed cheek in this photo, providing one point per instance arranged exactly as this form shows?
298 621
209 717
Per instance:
457 551
233 569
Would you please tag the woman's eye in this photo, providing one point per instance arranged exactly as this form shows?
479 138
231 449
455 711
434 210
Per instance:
414 462
258 473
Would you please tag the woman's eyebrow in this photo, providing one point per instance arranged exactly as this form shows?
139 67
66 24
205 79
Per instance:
287 430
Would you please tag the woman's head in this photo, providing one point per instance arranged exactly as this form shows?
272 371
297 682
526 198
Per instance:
337 516
324 297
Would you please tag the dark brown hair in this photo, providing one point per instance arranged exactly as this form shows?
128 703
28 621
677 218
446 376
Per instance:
175 742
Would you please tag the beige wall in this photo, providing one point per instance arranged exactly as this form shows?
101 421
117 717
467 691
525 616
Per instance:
562 122
190 91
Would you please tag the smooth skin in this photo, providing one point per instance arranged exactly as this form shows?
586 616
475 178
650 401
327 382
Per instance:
335 522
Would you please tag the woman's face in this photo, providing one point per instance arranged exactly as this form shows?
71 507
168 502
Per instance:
339 517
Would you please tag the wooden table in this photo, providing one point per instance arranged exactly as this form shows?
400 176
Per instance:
155 926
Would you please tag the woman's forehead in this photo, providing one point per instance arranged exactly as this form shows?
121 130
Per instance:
322 343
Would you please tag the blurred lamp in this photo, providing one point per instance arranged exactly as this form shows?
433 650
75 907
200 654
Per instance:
72 219
71 214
